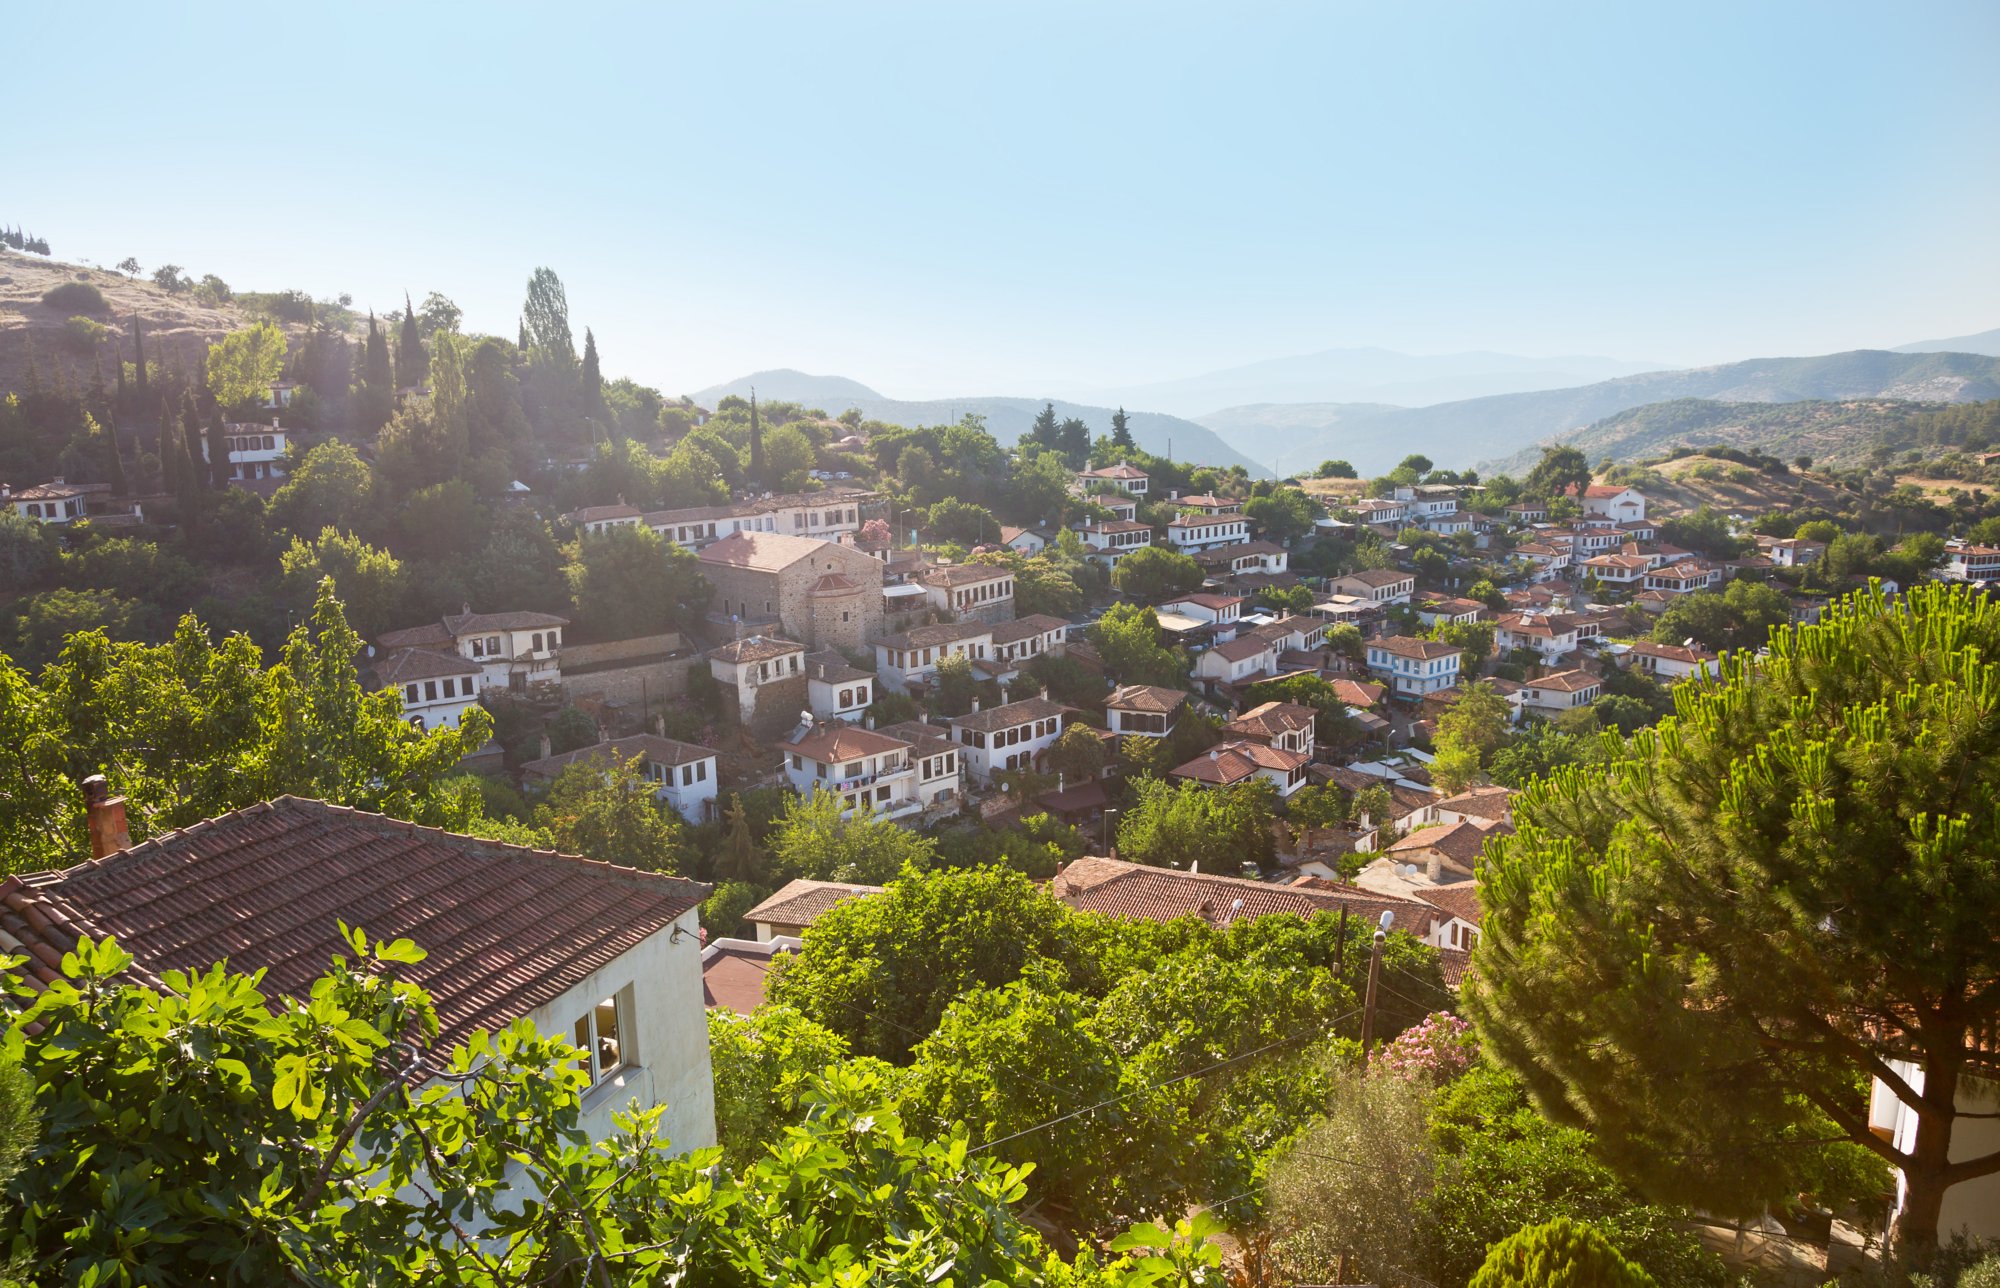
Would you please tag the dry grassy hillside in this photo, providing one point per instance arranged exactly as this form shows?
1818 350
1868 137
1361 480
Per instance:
1734 491
177 327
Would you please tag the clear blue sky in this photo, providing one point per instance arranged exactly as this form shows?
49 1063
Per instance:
947 198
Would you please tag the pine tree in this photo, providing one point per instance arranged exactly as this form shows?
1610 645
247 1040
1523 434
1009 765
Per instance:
413 365
1121 433
756 442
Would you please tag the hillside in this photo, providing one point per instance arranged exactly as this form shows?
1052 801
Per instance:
1366 375
1986 342
1832 433
178 327
1006 418
1485 431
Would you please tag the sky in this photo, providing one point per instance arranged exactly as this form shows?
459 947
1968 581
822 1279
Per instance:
985 198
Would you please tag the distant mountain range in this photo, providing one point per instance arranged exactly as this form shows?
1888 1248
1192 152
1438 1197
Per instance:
1834 433
1006 418
1363 376
1986 342
1506 429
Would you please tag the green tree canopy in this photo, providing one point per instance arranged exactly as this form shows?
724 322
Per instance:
1708 946
1153 573
812 840
605 809
628 581
242 367
1558 1254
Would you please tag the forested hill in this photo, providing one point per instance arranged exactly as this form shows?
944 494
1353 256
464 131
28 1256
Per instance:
1504 427
1834 433
1006 418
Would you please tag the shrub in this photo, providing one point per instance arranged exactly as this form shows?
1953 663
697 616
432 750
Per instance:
81 335
1559 1254
77 297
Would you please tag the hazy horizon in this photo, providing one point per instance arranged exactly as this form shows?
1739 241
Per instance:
1035 200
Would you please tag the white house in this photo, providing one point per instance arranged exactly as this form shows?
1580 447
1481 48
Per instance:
913 656
1024 639
1237 662
1561 691
1966 562
596 519
1972 1206
1551 636
513 650
1791 552
1220 611
436 687
1245 558
1413 667
836 689
1240 760
1122 505
1129 479
748 665
1190 533
936 758
1670 661
1433 609
1111 541
682 773
1025 541
1616 504
695 527
1381 510
1143 710
1377 585
1284 725
1684 578
1007 737
1547 560
1208 503
255 451
603 956
56 501
869 772
984 591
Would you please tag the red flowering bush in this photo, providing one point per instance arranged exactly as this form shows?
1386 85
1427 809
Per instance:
1436 1050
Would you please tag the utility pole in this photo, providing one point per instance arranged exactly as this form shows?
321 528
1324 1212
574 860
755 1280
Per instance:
1374 978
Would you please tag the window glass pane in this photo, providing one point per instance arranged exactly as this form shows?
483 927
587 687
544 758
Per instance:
610 1042
583 1044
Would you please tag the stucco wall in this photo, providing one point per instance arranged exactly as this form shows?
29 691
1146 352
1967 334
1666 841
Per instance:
654 681
669 1038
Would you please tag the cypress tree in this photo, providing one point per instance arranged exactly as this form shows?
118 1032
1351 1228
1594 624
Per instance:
756 441
593 381
377 379
164 448
188 480
413 365
139 360
120 485
118 393
218 451
1121 433
522 340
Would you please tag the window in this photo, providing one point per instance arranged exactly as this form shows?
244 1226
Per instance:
797 763
535 642
601 1038
852 769
701 771
493 646
409 693
430 690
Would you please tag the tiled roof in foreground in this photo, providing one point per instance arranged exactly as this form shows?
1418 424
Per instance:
507 928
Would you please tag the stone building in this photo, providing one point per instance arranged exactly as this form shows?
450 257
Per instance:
821 593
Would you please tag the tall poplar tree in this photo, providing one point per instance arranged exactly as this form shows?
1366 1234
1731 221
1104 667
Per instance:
593 381
756 443
1708 947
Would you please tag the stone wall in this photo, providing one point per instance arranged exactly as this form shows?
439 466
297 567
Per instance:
630 673
776 710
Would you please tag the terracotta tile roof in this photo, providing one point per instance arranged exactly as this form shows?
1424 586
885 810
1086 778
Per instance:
409 664
831 744
1480 802
1449 604
754 648
1122 470
58 490
474 623
1117 525
696 514
1229 554
1006 717
1120 889
1215 603
1377 578
925 739
1359 693
1456 963
936 636
829 667
507 928
1458 899
1151 698
598 513
761 551
1207 501
835 583
733 972
802 902
1242 648
1272 719
1422 650
1238 761
953 575
655 749
1461 843
1672 652
1565 682
1026 627
433 636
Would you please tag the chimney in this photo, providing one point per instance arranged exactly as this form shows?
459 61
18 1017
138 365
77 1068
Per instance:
274 422
543 751
105 817
1435 867
975 706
